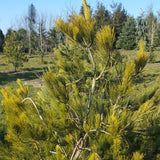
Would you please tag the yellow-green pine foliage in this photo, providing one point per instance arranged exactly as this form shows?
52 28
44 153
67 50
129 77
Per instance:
142 57
105 38
59 155
137 156
126 79
114 130
93 157
87 11
79 28
26 133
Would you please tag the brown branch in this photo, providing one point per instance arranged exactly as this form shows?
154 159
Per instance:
100 75
75 149
99 130
92 60
28 98
73 109
90 97
76 81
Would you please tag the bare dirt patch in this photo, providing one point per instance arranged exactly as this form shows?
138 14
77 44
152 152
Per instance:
34 83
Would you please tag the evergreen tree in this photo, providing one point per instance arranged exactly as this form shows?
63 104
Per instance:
85 110
32 32
1 40
157 36
127 39
119 17
9 32
14 51
23 38
102 16
55 37
141 30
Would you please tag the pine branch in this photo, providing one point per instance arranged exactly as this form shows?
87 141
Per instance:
81 140
28 98
99 130
92 59
73 109
76 81
76 148
90 97
100 75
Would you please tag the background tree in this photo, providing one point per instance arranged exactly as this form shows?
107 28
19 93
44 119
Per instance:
31 23
127 39
23 38
157 36
151 22
55 37
9 32
119 17
141 30
102 16
1 40
42 33
14 51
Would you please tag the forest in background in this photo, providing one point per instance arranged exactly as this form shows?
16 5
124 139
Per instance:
36 38
96 100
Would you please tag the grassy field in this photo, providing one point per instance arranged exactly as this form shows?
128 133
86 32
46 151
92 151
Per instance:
31 73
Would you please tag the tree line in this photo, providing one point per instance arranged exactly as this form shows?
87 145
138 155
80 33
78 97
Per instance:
36 39
128 30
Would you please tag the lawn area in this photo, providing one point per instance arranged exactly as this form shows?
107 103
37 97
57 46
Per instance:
151 71
30 74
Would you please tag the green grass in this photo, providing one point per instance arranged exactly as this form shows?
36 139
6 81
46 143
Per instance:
30 74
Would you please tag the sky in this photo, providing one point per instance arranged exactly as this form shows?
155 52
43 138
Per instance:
12 12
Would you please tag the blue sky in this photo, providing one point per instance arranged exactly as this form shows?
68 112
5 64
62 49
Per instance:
13 11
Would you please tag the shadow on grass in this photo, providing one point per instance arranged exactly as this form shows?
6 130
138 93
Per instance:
3 64
145 78
13 76
157 62
33 69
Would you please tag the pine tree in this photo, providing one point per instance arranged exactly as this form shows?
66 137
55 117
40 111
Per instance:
22 36
1 40
55 37
141 30
84 111
157 36
102 16
119 18
32 33
14 51
127 39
